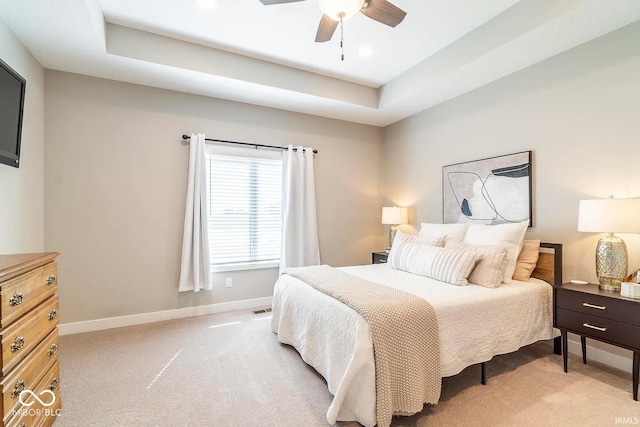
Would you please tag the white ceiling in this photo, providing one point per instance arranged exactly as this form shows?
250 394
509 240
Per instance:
285 33
244 51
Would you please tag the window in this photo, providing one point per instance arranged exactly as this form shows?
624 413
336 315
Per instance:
245 208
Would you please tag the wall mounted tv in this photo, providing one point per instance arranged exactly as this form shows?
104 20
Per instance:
12 87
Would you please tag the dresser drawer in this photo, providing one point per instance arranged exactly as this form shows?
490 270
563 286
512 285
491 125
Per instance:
22 336
24 292
617 333
599 306
38 415
28 372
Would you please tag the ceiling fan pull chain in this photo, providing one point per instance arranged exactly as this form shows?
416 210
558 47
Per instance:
342 38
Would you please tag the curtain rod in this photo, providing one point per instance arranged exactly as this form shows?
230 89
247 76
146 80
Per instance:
247 143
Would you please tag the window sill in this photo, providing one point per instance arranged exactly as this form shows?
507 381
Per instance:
244 266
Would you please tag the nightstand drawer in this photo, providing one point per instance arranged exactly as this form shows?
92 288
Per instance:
599 306
599 328
379 257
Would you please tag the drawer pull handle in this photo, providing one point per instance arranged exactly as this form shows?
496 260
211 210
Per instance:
17 389
599 307
17 344
383 261
52 314
597 328
54 384
16 299
53 349
51 279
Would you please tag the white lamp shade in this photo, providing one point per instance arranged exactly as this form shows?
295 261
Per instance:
394 215
340 9
609 216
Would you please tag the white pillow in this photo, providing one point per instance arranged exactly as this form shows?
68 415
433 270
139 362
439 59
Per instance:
489 271
511 234
453 231
427 240
446 265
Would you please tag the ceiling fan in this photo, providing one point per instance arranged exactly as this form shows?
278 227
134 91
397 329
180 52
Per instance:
337 11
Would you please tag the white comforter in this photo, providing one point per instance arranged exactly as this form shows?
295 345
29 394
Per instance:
475 324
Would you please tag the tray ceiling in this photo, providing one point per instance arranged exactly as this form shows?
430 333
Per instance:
244 51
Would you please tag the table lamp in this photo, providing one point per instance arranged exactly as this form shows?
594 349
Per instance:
610 216
393 216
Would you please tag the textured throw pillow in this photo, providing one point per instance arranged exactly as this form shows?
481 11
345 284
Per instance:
527 260
453 231
511 234
432 240
446 265
489 271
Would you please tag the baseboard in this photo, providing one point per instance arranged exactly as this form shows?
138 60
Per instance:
602 356
158 316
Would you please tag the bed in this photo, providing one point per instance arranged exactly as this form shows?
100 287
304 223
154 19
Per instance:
475 324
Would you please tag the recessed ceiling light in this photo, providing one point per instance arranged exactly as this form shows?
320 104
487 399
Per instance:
207 4
366 51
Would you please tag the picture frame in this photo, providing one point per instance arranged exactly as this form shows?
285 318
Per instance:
493 190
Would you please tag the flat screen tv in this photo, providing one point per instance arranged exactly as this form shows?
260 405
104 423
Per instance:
12 87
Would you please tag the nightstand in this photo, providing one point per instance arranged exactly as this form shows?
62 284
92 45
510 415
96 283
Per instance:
379 257
602 315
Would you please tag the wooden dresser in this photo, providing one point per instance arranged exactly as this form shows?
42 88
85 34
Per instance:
29 340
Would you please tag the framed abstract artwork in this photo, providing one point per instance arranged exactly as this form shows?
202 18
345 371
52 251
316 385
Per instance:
488 191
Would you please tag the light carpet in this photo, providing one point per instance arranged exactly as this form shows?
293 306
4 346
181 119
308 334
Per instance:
229 370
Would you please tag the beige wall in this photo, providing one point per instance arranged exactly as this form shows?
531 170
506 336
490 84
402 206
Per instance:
116 170
116 181
578 112
22 189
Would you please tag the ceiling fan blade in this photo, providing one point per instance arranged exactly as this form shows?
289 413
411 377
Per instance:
326 29
269 2
384 12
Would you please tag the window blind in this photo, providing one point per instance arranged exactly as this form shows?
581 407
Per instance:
245 209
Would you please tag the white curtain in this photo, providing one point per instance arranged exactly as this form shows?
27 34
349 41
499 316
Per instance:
299 225
195 269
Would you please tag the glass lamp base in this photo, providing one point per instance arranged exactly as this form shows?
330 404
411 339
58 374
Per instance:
611 262
392 234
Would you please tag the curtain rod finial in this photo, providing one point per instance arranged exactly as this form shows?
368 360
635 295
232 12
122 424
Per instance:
185 136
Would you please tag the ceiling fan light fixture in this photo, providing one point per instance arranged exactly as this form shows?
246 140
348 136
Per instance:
365 51
340 10
207 4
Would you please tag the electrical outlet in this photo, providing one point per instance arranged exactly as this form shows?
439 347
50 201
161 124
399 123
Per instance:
229 282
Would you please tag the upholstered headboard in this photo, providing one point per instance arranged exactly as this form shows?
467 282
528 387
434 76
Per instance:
549 266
